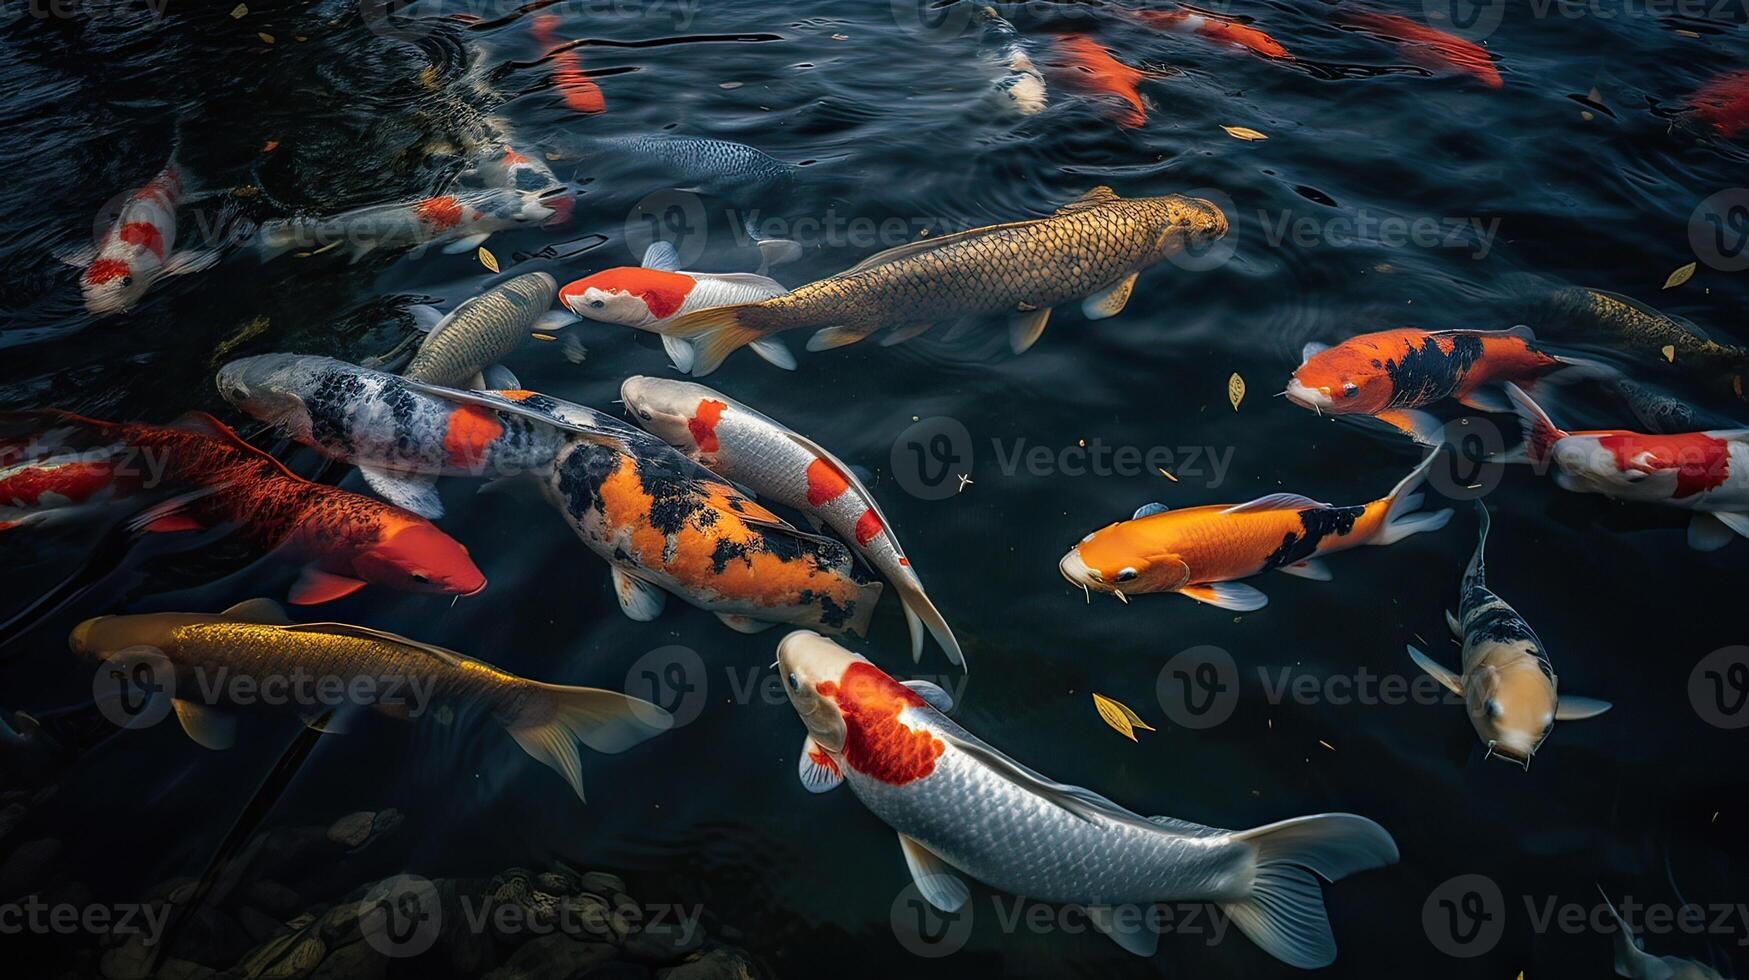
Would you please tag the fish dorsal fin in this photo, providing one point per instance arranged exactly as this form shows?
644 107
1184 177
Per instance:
1312 349
1097 197
1149 510
1275 501
200 423
931 693
862 495
377 636
264 611
922 245
662 256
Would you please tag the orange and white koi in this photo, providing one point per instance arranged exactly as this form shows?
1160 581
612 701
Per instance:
134 251
1429 47
1389 374
1087 66
642 297
761 454
1200 552
1217 29
576 88
464 220
1705 472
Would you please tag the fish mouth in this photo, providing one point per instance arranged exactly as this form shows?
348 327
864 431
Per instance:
1306 397
1077 573
80 639
1520 757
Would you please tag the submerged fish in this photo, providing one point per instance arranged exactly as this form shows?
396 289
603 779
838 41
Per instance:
1723 104
1389 374
134 251
1507 682
1632 327
1091 249
1217 29
1200 551
477 334
400 677
1020 88
756 452
503 166
1429 47
38 490
1633 962
645 297
960 806
695 163
1660 411
1706 472
464 220
1088 67
576 88
666 524
344 541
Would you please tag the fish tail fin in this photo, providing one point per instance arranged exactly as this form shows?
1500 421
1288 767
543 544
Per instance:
1401 517
868 595
920 613
549 725
713 334
1284 913
1630 960
1540 432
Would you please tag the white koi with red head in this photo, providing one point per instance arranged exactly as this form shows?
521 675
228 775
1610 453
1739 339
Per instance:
134 251
750 449
961 807
464 220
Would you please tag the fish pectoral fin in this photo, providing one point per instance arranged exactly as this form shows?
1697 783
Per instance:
1311 568
1707 533
427 319
553 321
1417 425
1024 329
1451 623
662 256
497 377
935 879
1111 300
264 611
638 599
1486 400
1736 522
819 772
315 586
416 492
774 352
832 338
1570 708
461 245
937 698
1236 596
210 728
182 263
1131 932
1452 682
744 624
76 256
679 352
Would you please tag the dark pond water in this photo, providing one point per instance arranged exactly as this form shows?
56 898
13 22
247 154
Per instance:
1390 191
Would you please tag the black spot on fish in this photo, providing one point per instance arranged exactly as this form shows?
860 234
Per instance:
735 505
727 551
580 475
707 518
1316 524
834 615
1426 374
619 555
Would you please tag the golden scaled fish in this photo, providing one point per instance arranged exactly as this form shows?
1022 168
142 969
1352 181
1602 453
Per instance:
252 654
1582 315
1091 249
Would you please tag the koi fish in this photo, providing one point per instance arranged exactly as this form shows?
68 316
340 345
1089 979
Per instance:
576 88
1507 682
255 637
503 166
756 452
646 296
1200 551
464 220
466 342
667 525
1632 960
39 490
402 434
698 164
1090 68
1217 29
1389 374
1020 89
1626 324
1091 249
1723 104
1429 47
132 254
1660 411
343 541
960 806
1699 471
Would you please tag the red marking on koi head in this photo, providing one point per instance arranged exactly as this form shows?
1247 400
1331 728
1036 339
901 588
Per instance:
1701 462
412 555
867 526
824 482
101 271
876 743
660 293
470 431
143 234
439 213
703 424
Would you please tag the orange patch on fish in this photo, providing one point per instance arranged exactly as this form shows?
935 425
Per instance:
703 424
819 757
876 743
824 482
867 526
143 234
1091 68
439 213
471 429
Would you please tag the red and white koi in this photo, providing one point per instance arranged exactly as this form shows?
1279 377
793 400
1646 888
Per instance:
505 167
761 454
135 250
1705 472
464 220
1217 29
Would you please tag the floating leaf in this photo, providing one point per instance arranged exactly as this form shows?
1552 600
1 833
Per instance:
1669 352
488 260
1235 390
729 85
239 11
270 146
1244 133
1117 716
549 338
265 37
1680 276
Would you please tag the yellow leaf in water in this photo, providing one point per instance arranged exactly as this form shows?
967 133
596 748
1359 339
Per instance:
1680 276
1115 715
1244 133
488 260
265 37
238 12
1235 390
1669 352
549 338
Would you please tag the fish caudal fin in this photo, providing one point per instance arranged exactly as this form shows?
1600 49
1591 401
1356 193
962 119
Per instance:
552 723
868 596
1540 431
713 335
1284 914
921 613
1401 517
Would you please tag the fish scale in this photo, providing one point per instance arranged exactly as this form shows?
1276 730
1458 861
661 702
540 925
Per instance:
483 330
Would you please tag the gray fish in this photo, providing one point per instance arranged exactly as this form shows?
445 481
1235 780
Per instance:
702 164
1660 411
1635 963
463 220
484 329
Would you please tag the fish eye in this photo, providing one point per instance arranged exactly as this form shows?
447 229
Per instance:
596 304
127 281
1350 389
1126 574
1493 708
794 684
421 579
644 414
